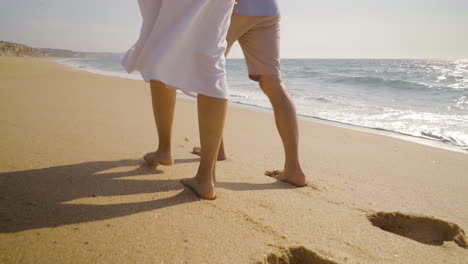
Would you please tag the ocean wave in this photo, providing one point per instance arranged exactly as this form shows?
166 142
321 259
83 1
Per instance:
404 123
379 82
459 86
339 104
297 73
319 99
443 128
443 139
79 65
238 95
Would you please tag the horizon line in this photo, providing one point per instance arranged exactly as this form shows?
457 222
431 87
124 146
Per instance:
285 58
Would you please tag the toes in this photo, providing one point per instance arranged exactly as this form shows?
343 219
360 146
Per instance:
273 173
149 159
196 150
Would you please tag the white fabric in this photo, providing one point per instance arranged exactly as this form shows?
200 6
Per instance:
182 44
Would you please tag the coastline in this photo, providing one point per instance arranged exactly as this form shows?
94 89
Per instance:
75 189
379 131
423 139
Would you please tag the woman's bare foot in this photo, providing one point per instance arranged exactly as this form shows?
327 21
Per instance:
296 177
221 155
204 190
156 158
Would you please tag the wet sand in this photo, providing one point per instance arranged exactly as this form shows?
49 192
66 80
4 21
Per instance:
74 189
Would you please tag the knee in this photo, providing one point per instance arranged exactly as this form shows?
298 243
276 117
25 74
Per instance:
270 80
272 86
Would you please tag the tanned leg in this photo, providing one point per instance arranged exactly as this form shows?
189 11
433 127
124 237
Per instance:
230 42
286 123
164 100
211 118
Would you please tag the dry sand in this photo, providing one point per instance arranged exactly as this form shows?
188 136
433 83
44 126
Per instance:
73 187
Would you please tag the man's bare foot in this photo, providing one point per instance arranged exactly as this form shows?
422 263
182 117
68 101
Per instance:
221 155
204 190
155 158
296 178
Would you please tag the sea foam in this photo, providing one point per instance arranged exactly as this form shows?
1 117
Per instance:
418 98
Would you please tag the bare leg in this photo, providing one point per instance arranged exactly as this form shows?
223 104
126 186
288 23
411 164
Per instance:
286 123
164 100
211 117
221 152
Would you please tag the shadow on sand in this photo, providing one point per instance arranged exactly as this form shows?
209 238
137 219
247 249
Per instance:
37 198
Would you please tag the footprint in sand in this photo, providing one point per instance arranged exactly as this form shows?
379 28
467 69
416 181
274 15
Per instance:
427 230
296 254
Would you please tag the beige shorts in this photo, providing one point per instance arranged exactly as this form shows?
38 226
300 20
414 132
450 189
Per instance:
259 38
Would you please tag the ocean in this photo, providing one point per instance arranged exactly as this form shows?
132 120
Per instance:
424 99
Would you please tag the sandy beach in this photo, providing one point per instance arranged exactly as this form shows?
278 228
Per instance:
74 189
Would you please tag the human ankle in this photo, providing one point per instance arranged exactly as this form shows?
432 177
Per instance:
293 167
164 150
204 178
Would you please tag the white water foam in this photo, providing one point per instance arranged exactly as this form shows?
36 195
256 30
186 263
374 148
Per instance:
378 99
79 65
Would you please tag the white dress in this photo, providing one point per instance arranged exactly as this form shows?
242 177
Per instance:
182 44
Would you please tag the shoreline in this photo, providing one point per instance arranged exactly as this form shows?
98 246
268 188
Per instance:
427 141
424 140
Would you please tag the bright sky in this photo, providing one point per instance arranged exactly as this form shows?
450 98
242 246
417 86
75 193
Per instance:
310 28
